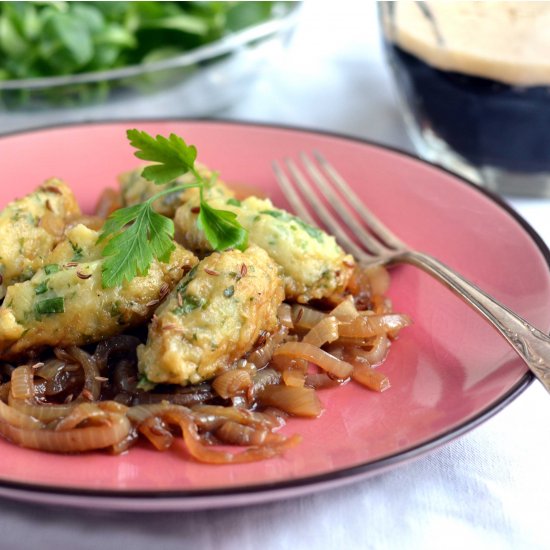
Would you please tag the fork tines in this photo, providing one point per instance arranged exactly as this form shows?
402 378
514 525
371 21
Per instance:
342 212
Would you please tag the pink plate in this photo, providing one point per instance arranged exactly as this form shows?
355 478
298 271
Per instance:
449 371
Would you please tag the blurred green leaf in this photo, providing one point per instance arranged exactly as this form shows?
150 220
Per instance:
244 14
11 41
184 23
67 44
88 15
51 38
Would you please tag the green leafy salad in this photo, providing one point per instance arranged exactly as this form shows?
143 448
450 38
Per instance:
44 39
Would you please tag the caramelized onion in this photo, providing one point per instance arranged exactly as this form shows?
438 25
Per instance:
321 380
283 362
91 370
232 382
125 376
264 378
377 353
188 399
325 331
293 400
22 383
58 378
284 314
234 433
345 311
366 326
112 406
305 317
124 444
294 377
124 344
5 391
69 441
156 431
50 369
140 413
370 377
152 423
261 356
199 451
18 419
317 356
45 412
81 413
210 417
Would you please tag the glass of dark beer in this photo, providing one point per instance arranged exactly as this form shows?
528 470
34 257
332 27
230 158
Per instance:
473 80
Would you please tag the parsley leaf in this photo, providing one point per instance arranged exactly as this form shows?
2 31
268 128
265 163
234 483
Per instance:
221 228
132 250
138 235
173 155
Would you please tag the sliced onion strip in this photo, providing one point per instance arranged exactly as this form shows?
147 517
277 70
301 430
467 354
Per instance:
5 391
70 441
81 413
366 326
261 356
321 380
91 370
370 378
284 314
293 377
233 433
376 355
317 356
305 317
199 451
156 431
324 332
22 386
232 382
211 416
345 311
46 412
292 400
18 419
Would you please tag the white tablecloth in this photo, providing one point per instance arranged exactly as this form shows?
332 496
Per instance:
488 489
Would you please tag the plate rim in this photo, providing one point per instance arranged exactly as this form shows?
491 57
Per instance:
220 496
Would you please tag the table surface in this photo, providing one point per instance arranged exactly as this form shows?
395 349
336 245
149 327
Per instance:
488 489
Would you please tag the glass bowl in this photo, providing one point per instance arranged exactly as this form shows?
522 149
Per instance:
196 83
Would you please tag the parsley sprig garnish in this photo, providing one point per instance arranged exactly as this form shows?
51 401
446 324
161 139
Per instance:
138 234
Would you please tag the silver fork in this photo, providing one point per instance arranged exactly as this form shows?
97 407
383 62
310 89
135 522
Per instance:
379 244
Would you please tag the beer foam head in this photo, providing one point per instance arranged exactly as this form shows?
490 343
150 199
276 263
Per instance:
504 41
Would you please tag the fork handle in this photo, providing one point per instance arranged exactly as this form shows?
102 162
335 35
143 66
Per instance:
531 344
